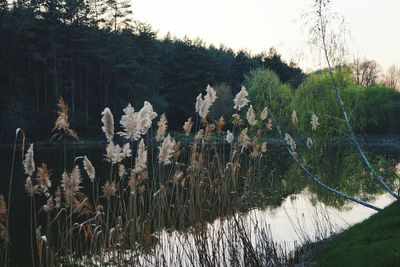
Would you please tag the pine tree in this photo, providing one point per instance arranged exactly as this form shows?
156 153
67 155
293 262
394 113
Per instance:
120 12
75 12
97 12
3 7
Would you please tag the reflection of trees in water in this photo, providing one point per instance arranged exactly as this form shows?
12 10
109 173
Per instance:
266 186
340 167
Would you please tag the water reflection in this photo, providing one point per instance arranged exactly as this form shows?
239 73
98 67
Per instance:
338 166
298 219
295 222
276 195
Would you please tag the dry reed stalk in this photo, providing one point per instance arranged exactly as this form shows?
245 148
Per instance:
6 260
190 186
61 125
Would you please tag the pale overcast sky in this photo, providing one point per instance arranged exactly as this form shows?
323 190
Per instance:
256 25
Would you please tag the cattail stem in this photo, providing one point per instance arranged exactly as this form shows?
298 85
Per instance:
65 153
35 222
108 226
70 231
32 246
93 195
6 262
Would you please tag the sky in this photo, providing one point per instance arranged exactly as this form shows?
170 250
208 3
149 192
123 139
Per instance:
257 25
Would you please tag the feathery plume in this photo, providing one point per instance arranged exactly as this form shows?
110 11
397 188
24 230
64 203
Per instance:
126 151
211 94
251 116
310 143
109 189
61 124
240 99
43 178
121 170
204 105
108 124
289 141
177 150
146 115
71 185
162 128
67 188
81 205
87 165
264 147
130 122
237 120
176 178
29 163
314 121
264 114
28 186
115 153
208 130
166 150
199 100
48 207
199 135
187 127
141 157
244 139
76 179
219 124
229 137
294 118
256 147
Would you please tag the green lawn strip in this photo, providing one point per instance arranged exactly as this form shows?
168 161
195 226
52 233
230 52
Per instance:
374 242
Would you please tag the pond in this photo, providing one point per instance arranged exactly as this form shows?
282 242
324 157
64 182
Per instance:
276 199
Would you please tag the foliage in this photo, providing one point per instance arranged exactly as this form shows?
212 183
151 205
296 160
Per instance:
287 73
371 109
94 55
193 181
266 90
379 110
316 95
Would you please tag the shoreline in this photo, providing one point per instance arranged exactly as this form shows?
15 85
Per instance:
372 242
372 141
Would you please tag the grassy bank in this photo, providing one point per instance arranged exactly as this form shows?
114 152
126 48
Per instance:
374 242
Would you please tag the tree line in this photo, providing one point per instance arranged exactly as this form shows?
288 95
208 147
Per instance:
369 72
373 109
94 54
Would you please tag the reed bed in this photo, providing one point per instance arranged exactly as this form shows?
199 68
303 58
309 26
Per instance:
155 205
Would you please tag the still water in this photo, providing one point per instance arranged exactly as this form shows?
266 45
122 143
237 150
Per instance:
290 207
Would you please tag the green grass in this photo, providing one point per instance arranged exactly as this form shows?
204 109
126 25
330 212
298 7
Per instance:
374 242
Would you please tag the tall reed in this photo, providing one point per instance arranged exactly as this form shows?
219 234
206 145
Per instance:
159 186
